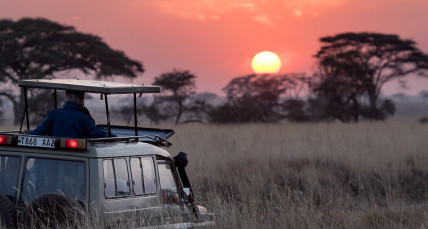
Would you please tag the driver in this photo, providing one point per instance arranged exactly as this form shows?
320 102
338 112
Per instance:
73 121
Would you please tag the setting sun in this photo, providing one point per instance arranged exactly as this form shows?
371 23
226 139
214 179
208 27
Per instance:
266 62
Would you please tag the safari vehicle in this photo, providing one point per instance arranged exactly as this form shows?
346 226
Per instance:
126 181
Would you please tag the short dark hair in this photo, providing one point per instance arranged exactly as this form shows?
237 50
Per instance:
74 96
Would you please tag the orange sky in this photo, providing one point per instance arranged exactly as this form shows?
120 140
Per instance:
217 39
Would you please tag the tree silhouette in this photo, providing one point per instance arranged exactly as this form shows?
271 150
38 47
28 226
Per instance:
177 88
357 64
400 95
39 48
295 110
254 98
424 95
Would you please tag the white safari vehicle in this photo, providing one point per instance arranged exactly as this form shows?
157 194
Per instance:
126 181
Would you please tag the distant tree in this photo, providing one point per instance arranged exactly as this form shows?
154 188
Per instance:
361 63
39 48
199 106
295 110
399 95
241 110
254 98
145 108
385 109
340 85
176 98
2 110
40 102
316 110
125 109
424 95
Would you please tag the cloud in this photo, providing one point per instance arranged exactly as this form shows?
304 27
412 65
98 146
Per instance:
263 11
298 13
264 19
306 4
248 5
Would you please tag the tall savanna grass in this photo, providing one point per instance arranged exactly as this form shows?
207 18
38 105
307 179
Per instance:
316 175
326 175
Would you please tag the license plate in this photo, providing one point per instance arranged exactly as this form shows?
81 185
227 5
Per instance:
36 142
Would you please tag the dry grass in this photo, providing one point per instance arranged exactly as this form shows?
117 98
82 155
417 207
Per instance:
366 175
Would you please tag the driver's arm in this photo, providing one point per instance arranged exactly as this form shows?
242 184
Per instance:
45 127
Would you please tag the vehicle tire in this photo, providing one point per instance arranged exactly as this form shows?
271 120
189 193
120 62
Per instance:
54 211
7 213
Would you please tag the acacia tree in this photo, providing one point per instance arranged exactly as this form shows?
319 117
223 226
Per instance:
375 59
39 48
339 84
254 98
176 90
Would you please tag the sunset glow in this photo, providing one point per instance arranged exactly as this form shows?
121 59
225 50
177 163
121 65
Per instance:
266 62
217 39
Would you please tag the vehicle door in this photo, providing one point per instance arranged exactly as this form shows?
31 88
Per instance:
130 190
45 174
173 209
10 164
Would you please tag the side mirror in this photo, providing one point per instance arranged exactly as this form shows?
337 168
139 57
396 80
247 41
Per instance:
181 160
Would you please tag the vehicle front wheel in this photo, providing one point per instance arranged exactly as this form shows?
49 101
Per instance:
54 211
7 213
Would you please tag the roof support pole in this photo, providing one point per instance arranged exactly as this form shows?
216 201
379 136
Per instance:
26 108
55 100
135 114
108 115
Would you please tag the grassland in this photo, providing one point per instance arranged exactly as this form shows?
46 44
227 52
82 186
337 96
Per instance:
325 175
365 175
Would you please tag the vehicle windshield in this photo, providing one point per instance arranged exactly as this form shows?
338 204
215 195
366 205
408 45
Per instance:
9 172
43 176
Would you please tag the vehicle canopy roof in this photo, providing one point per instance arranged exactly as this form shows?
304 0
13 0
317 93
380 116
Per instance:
155 136
92 86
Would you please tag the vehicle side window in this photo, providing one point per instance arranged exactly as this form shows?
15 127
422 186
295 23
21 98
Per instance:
143 175
149 175
122 178
168 184
137 176
109 184
9 172
43 176
116 178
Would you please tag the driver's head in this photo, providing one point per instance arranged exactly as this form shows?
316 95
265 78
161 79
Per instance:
75 97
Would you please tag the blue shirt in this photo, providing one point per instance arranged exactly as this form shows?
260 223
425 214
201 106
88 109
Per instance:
69 122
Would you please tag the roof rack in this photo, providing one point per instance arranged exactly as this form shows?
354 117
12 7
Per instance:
11 138
157 140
